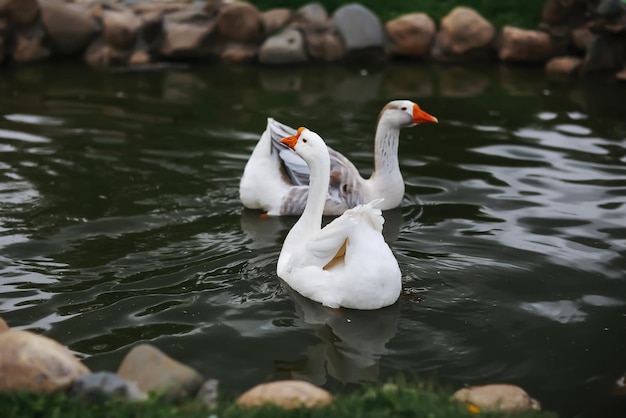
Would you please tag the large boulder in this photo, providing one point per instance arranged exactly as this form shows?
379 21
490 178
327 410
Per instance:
464 34
34 363
411 34
521 45
186 34
499 397
153 371
563 65
29 45
359 28
275 19
286 47
239 22
287 394
120 28
70 27
19 12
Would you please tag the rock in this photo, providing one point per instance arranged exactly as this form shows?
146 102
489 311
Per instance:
358 27
605 54
3 325
464 34
322 41
151 29
29 45
208 394
411 35
101 54
239 22
522 45
20 12
275 19
287 394
120 28
238 53
153 371
185 34
139 57
559 11
563 65
582 37
71 27
103 386
34 363
313 13
157 7
285 48
500 397
621 76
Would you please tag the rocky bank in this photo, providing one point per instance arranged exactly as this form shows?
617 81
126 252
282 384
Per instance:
574 37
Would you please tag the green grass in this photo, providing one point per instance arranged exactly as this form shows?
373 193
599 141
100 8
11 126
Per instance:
525 14
379 401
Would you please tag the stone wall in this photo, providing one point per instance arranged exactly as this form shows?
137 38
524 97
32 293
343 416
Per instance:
579 37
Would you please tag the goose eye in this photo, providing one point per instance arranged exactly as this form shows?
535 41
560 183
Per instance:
404 108
304 140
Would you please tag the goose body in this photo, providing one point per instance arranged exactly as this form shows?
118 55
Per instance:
276 179
347 263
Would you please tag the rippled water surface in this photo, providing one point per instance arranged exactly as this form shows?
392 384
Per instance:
120 223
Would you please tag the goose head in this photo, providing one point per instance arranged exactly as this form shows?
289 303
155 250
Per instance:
307 144
404 113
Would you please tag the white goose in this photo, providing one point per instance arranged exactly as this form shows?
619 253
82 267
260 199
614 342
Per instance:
347 263
276 180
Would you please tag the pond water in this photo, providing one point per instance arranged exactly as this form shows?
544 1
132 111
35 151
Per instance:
120 223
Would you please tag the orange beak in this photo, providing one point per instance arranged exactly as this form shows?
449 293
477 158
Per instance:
419 116
291 141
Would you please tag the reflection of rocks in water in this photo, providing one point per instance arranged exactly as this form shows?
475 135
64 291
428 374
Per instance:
462 82
358 89
408 81
521 83
280 81
264 231
352 341
182 86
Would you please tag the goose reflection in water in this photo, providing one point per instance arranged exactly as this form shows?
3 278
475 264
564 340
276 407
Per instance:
351 341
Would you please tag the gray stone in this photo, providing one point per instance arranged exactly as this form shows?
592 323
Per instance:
359 27
208 393
102 386
153 371
312 12
285 48
34 363
71 27
186 34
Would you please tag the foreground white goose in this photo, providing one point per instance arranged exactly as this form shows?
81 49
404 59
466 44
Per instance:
347 263
276 180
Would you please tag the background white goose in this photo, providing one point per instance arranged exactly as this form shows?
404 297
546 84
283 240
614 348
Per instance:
347 263
276 179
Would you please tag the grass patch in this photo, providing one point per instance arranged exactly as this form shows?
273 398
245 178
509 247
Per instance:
388 400
525 14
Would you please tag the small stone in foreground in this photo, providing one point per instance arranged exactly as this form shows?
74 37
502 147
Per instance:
153 371
102 386
208 393
498 397
287 394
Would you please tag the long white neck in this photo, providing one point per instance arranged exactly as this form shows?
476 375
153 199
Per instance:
310 221
386 179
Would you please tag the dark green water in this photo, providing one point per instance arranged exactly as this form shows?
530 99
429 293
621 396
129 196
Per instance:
120 223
